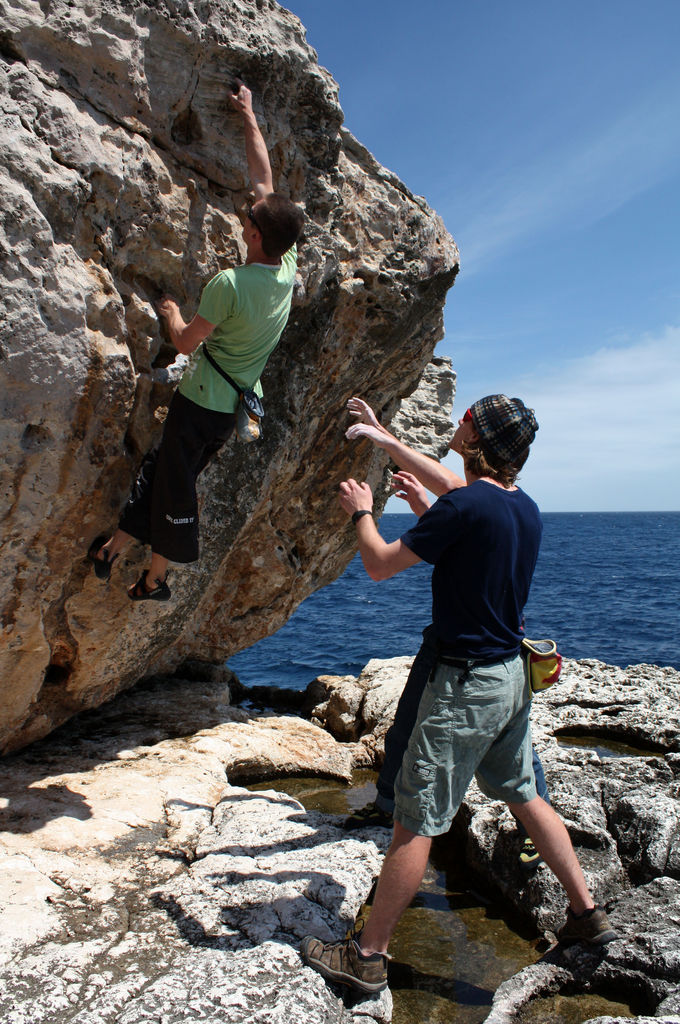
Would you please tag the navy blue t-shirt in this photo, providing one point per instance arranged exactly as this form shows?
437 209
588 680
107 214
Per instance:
483 542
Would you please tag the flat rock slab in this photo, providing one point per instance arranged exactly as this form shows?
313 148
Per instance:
137 884
213 941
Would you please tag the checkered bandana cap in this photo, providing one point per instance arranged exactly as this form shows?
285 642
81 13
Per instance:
505 425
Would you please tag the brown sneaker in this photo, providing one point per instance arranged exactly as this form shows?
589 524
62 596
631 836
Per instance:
591 926
343 963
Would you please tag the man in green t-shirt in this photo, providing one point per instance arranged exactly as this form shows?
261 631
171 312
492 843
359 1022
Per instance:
240 319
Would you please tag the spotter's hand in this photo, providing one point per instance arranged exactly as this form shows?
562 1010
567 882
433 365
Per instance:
409 488
357 407
354 496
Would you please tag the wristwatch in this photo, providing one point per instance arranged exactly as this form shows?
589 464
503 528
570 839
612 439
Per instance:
359 513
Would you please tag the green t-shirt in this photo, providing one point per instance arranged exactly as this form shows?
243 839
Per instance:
249 306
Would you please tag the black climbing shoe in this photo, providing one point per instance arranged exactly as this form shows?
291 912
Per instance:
161 592
102 566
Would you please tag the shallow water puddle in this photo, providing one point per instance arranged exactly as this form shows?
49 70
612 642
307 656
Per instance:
452 948
606 747
571 1010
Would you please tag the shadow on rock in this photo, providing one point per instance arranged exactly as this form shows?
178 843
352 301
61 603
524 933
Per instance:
36 805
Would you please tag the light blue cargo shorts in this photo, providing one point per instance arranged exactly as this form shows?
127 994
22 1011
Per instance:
479 727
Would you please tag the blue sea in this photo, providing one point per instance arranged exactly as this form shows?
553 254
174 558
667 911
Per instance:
607 586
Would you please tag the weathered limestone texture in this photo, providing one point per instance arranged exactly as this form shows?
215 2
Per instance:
622 811
123 175
359 710
137 883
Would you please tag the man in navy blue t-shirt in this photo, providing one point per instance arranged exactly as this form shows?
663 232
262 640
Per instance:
416 475
482 537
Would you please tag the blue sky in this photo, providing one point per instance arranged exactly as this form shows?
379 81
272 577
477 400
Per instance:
547 136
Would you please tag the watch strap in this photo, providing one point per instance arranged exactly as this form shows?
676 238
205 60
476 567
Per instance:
359 513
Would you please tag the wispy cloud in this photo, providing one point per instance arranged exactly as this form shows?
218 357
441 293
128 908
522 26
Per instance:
577 184
609 433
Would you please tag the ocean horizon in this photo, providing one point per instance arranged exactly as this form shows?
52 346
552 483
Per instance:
606 587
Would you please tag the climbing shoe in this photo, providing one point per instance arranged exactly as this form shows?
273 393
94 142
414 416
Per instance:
161 592
102 565
592 926
529 857
370 816
344 963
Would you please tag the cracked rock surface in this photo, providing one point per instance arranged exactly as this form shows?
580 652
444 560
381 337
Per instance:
123 176
138 884
139 881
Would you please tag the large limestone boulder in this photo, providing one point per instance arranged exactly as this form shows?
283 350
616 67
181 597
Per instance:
122 175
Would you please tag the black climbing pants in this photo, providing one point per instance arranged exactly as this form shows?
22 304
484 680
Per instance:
162 509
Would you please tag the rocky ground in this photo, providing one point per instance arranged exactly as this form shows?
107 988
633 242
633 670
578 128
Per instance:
141 882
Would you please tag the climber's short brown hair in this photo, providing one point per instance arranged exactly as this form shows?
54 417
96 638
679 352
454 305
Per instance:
280 223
